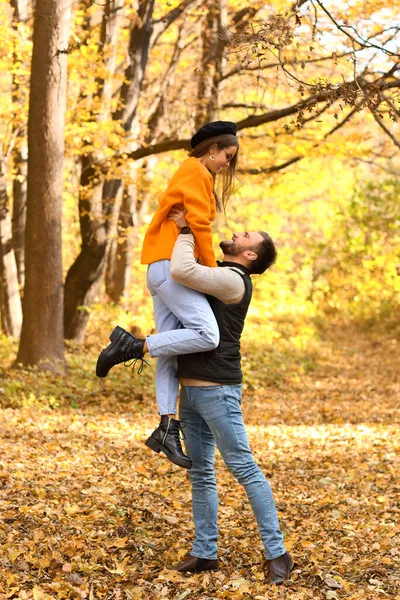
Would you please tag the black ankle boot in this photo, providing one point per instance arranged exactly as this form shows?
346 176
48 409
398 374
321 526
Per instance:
124 346
166 438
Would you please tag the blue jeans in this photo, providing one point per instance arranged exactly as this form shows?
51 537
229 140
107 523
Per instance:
213 417
185 324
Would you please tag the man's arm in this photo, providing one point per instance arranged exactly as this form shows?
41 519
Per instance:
223 283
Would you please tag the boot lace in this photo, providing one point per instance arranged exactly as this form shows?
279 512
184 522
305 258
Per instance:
133 362
133 355
179 435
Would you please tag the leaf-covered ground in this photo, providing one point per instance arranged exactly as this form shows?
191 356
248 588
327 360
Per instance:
87 511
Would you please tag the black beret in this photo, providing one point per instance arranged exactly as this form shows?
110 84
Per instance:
211 130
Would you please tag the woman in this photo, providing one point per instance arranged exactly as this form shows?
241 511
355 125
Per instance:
184 320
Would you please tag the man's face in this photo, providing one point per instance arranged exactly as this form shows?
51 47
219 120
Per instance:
241 242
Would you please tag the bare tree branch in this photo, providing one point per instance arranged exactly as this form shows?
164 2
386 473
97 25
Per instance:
330 96
295 159
385 129
249 12
239 68
298 5
161 25
363 43
273 169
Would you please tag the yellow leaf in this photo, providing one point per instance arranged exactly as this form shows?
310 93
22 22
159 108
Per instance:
13 553
39 594
383 499
45 561
38 535
72 509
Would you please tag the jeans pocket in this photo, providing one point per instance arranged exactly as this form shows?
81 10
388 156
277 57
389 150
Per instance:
210 388
157 273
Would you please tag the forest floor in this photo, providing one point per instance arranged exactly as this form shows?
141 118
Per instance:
89 512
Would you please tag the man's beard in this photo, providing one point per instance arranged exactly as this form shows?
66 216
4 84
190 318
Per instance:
230 248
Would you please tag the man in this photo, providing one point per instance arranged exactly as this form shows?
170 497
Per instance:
211 397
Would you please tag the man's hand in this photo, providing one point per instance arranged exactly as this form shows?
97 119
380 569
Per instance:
177 214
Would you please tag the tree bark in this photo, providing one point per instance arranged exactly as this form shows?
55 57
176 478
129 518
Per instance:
10 301
134 206
42 341
20 190
213 38
118 274
20 156
20 10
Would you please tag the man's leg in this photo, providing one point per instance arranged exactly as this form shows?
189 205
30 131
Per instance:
200 447
220 408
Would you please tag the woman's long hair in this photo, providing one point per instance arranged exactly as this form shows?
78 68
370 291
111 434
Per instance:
228 175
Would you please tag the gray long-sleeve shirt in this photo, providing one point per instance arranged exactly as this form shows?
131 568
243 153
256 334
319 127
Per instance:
226 284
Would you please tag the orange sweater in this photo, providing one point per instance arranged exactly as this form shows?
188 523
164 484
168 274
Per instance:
191 186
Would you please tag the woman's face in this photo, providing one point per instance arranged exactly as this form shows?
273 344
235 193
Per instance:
222 158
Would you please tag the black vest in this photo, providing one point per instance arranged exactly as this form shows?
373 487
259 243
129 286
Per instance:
221 365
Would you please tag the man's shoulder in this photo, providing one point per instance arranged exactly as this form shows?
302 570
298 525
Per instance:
232 267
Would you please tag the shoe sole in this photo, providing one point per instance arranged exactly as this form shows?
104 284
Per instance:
157 447
198 570
115 336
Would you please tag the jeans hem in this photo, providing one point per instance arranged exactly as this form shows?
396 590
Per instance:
186 342
272 557
205 557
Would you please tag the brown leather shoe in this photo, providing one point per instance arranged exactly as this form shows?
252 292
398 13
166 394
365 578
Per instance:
192 564
278 569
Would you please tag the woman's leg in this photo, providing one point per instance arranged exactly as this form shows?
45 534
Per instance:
199 331
166 438
185 324
166 381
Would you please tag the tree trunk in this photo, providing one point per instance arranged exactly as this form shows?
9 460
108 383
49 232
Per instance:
119 262
20 162
86 271
144 34
20 189
20 10
86 275
10 301
42 341
214 38
134 205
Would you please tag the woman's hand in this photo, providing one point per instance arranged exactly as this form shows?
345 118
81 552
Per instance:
177 214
